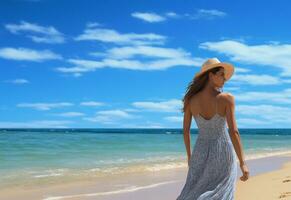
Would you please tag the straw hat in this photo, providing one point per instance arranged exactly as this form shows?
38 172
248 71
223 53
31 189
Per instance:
214 62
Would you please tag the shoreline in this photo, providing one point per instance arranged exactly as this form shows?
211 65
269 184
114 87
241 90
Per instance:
165 184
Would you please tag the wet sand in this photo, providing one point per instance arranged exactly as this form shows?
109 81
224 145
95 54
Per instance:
270 178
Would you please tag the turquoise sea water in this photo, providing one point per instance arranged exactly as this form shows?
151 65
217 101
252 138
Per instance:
46 156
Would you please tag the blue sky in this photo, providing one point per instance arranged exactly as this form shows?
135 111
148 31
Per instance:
126 64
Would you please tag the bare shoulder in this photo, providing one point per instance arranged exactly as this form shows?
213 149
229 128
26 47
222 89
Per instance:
194 99
194 104
226 97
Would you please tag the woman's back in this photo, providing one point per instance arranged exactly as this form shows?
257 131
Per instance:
213 166
203 105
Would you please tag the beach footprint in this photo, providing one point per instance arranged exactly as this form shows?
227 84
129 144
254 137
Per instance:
285 194
286 180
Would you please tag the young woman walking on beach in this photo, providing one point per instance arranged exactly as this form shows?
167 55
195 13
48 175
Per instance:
212 164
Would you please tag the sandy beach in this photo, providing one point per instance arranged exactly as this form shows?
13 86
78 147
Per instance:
269 185
270 178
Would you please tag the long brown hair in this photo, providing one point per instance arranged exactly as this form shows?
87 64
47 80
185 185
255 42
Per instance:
196 85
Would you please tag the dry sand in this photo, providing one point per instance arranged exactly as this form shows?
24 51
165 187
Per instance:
266 186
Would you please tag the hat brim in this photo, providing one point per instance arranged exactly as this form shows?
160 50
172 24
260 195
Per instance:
228 69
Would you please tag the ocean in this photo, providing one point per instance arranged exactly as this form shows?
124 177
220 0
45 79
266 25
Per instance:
50 156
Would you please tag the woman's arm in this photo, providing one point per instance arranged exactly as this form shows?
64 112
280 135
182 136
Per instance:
232 128
186 130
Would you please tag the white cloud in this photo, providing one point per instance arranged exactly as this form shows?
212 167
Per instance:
162 64
279 97
71 114
25 54
110 116
101 119
174 119
260 112
148 16
273 55
231 88
40 34
286 80
247 122
172 15
253 79
157 59
207 14
152 17
146 51
17 81
88 64
35 124
241 70
98 54
112 36
93 24
264 112
75 70
91 103
115 113
140 56
172 105
131 110
44 106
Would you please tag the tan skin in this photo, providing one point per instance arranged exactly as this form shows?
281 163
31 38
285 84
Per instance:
225 107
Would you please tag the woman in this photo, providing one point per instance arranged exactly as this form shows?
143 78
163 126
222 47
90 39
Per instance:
212 165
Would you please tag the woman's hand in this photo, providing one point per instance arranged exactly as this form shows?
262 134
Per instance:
245 172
